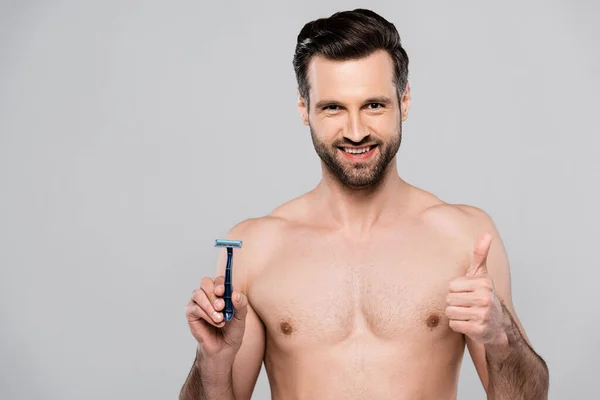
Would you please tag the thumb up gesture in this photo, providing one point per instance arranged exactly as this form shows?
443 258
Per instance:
472 306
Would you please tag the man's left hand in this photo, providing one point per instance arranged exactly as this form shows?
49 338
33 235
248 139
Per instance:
472 306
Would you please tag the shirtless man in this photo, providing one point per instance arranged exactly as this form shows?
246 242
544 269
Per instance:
366 287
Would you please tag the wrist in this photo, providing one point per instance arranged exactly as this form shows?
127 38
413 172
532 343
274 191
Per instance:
499 349
215 369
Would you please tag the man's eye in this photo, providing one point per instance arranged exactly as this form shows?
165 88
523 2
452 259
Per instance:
331 107
375 106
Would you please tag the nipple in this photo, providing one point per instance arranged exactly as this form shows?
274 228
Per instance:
433 320
286 328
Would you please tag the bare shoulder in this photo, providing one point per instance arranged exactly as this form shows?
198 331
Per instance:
461 221
257 235
460 214
252 230
271 226
263 236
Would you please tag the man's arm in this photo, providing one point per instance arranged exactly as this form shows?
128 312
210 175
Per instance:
508 367
514 369
204 383
224 378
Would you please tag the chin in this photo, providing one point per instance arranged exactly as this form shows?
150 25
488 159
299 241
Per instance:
360 183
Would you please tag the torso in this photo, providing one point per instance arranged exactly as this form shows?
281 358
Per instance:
350 318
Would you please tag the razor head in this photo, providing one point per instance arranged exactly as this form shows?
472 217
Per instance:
228 243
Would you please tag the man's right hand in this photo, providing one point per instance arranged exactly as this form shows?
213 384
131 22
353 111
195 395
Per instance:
216 338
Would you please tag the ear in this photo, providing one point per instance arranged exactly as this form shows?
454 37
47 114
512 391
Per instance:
405 102
302 108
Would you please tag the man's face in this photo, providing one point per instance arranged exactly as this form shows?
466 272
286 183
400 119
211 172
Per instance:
354 116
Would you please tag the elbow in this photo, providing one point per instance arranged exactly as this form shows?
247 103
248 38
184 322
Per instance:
539 382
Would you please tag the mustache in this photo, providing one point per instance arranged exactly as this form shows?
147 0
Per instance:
365 140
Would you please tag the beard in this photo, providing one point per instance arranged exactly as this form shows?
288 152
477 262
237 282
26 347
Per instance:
358 174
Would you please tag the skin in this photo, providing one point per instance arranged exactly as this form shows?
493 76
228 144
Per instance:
357 292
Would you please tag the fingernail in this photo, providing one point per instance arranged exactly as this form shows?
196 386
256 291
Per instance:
239 297
220 287
216 315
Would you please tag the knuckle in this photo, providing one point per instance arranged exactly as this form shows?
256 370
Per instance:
207 282
197 296
483 315
486 284
486 301
193 312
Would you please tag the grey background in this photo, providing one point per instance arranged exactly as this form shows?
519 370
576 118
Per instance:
132 134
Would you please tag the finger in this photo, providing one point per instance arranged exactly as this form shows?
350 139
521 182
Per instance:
198 317
463 327
480 253
469 328
478 298
240 303
202 300
210 287
463 284
219 305
462 299
219 289
459 313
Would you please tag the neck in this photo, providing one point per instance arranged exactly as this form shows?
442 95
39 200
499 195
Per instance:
358 210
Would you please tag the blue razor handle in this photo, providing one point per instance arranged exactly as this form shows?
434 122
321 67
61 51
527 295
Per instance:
228 311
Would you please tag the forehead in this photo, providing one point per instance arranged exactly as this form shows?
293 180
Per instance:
352 79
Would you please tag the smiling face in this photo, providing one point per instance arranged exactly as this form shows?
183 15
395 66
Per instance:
355 117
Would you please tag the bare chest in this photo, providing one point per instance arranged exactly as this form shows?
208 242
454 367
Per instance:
326 291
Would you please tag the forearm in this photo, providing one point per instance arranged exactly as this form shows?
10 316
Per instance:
208 380
515 370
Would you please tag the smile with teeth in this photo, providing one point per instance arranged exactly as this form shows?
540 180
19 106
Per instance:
357 151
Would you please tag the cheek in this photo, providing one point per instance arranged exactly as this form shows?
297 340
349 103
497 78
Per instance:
327 129
386 124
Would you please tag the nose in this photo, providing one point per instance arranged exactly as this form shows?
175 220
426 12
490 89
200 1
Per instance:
355 130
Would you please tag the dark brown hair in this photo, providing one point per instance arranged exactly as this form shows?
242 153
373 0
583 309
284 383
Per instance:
349 35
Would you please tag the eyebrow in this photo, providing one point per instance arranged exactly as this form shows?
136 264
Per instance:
379 99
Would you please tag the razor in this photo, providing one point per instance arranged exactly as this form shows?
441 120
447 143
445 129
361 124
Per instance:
228 311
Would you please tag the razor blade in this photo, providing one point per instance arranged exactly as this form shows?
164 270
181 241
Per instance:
228 243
